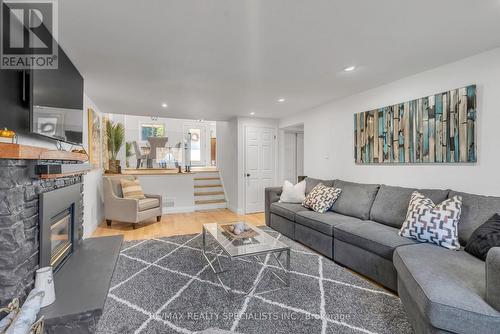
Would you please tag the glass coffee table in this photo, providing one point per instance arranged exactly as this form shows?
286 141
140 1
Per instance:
259 244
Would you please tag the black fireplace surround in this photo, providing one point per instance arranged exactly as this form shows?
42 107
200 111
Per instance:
58 235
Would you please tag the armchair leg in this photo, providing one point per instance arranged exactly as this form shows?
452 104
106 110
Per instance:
138 163
133 226
158 219
108 221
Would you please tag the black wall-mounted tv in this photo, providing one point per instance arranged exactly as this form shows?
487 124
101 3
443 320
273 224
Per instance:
57 102
45 102
14 101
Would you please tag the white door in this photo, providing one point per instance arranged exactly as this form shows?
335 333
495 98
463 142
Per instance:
259 166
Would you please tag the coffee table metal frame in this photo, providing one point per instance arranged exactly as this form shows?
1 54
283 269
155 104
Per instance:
220 249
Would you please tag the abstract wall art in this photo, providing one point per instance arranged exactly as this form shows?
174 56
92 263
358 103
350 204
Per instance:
436 129
95 148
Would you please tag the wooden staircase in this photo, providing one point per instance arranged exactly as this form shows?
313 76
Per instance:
208 191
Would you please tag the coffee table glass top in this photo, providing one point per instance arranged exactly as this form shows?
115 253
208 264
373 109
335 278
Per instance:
261 243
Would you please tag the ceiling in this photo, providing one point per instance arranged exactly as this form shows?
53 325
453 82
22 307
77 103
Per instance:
216 59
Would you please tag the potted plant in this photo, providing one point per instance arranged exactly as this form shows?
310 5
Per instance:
115 136
128 152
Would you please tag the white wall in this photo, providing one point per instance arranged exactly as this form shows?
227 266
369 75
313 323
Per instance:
227 153
93 213
328 130
176 191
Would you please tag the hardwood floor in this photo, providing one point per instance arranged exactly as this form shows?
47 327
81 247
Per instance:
175 224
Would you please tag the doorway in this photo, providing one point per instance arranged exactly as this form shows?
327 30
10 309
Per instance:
293 155
196 135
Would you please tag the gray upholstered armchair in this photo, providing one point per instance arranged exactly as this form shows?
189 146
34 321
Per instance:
128 210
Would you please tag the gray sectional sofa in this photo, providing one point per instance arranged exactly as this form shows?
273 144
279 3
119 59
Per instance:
443 291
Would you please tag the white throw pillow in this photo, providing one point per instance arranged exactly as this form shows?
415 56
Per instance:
293 193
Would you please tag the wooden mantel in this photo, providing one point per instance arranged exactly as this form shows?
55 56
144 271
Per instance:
26 152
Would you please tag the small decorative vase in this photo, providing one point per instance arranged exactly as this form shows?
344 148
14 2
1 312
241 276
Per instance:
44 281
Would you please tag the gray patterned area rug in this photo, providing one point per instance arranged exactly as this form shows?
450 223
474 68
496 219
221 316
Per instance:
166 286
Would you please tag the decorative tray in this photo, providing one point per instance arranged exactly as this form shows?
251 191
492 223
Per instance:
244 235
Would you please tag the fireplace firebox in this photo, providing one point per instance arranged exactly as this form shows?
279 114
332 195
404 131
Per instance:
59 210
61 238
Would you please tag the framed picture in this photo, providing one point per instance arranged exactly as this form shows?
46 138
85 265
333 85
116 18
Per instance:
95 147
440 128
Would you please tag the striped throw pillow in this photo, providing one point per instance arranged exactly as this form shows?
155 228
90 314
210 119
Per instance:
132 189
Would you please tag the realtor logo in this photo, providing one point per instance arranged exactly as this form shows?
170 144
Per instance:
28 34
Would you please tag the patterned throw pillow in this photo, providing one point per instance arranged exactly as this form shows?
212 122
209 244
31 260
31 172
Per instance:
427 222
321 198
132 189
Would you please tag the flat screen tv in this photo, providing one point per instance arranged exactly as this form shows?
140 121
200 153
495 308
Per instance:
57 102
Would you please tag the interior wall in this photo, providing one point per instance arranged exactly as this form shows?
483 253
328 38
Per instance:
93 202
328 130
227 153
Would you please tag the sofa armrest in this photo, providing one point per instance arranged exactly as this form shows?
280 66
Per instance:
493 278
272 195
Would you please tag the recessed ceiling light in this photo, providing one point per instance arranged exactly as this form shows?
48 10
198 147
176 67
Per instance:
252 113
349 68
281 100
164 105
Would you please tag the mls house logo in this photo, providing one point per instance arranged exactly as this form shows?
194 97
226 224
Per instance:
29 34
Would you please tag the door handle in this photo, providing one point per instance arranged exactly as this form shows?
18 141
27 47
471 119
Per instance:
248 175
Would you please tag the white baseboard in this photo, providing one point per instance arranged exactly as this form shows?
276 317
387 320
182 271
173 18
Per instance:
180 209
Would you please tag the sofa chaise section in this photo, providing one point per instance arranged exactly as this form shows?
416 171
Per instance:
447 291
444 291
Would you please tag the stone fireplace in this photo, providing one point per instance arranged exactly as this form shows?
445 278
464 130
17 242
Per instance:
22 237
41 224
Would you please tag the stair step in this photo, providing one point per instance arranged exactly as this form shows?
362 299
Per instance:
206 178
204 171
209 193
209 186
210 201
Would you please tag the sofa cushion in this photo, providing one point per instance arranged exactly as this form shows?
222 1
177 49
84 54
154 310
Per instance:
476 210
286 210
391 203
447 287
311 183
323 222
148 203
372 236
356 199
